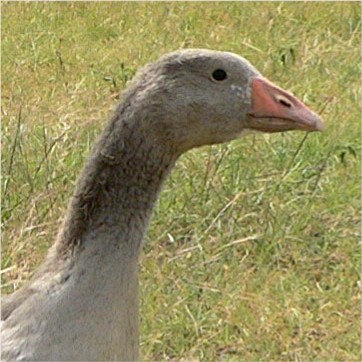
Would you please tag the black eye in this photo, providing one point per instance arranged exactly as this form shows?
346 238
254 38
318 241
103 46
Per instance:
219 74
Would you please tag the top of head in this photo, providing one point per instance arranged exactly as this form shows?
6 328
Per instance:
202 61
193 67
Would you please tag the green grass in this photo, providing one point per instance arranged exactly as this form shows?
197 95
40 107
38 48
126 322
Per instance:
253 253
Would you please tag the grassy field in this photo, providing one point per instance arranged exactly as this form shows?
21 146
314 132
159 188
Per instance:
253 253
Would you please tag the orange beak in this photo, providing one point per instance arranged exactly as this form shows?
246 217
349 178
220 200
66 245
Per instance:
275 110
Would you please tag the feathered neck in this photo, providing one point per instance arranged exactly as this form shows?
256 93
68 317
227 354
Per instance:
119 186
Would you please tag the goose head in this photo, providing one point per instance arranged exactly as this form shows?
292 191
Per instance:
207 97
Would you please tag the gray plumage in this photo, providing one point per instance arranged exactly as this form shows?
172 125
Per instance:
82 303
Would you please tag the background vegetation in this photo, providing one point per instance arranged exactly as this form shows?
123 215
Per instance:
253 253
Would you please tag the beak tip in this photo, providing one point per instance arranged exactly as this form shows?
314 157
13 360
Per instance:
319 124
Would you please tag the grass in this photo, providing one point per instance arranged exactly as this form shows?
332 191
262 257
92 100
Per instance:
253 253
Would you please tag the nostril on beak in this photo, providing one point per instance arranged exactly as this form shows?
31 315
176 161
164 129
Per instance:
284 101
